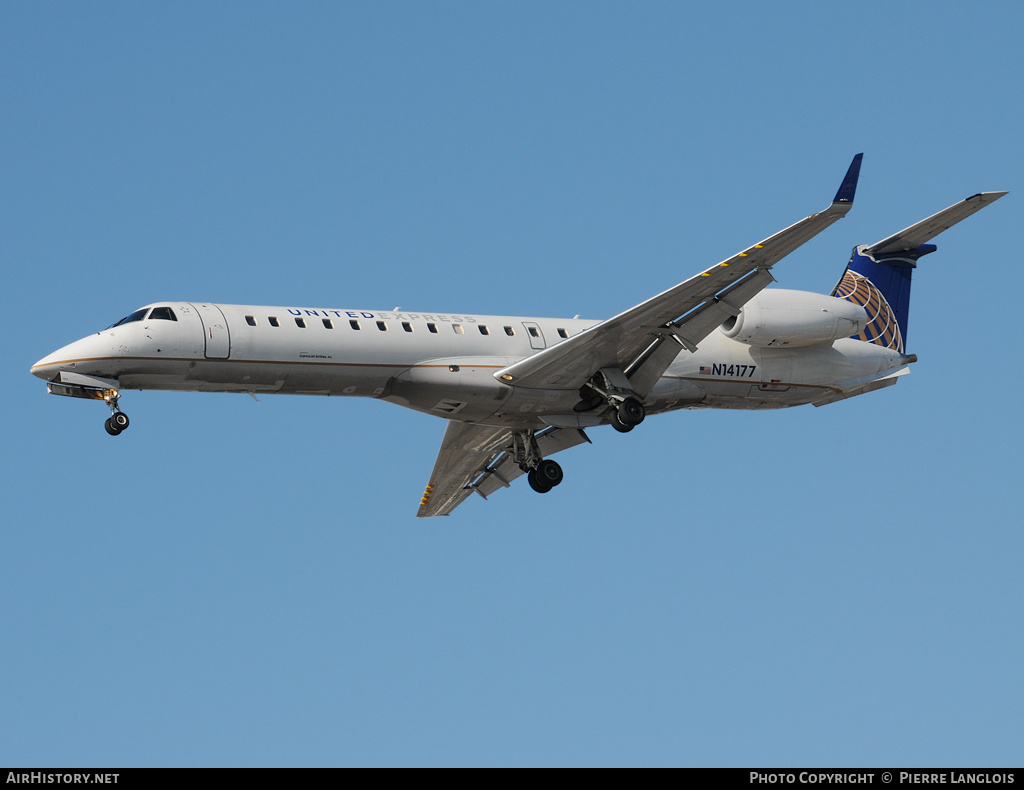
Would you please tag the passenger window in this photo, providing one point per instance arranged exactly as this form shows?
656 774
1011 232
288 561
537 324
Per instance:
406 326
533 331
273 321
162 314
300 323
250 320
354 324
484 330
458 329
432 328
382 326
563 333
510 331
328 323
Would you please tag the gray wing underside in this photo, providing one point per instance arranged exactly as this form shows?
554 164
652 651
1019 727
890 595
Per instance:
478 458
643 341
927 229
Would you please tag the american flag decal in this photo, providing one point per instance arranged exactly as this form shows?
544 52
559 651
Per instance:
705 370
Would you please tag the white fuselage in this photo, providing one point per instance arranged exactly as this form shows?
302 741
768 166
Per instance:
440 364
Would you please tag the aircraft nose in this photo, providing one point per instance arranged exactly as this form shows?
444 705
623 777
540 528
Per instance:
48 367
70 357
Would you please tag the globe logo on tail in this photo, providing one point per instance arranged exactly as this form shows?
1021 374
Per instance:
882 327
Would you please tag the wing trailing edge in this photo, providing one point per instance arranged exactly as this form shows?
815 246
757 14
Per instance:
645 339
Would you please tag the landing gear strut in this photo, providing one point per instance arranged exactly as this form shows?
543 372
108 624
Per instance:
118 420
543 474
628 414
610 385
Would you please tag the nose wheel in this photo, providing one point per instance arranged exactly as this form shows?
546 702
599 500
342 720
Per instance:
117 421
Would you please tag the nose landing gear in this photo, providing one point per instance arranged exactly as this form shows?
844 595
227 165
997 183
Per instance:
118 420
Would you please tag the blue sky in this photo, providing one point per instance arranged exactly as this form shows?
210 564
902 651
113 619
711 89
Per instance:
242 583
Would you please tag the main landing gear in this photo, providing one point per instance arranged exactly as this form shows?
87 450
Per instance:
543 474
610 386
627 415
118 420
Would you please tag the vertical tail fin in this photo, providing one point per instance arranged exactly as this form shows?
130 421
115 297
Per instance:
881 285
878 275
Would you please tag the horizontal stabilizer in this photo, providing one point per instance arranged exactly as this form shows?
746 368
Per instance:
920 232
877 384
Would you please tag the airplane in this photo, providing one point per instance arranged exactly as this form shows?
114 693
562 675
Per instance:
516 390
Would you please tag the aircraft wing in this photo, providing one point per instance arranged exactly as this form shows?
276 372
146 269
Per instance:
643 341
927 229
478 458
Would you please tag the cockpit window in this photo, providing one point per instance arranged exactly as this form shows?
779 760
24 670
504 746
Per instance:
162 314
138 315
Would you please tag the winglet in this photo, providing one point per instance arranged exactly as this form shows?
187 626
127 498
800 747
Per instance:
849 185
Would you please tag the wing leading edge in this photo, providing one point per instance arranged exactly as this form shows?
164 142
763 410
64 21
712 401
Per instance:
643 341
927 229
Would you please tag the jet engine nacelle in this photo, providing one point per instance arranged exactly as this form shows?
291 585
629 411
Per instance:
778 318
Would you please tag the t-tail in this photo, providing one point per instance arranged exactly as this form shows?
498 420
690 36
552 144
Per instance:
878 275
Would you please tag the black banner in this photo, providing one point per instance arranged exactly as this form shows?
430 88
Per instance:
755 777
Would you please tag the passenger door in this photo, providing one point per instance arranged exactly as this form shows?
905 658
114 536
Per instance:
215 331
